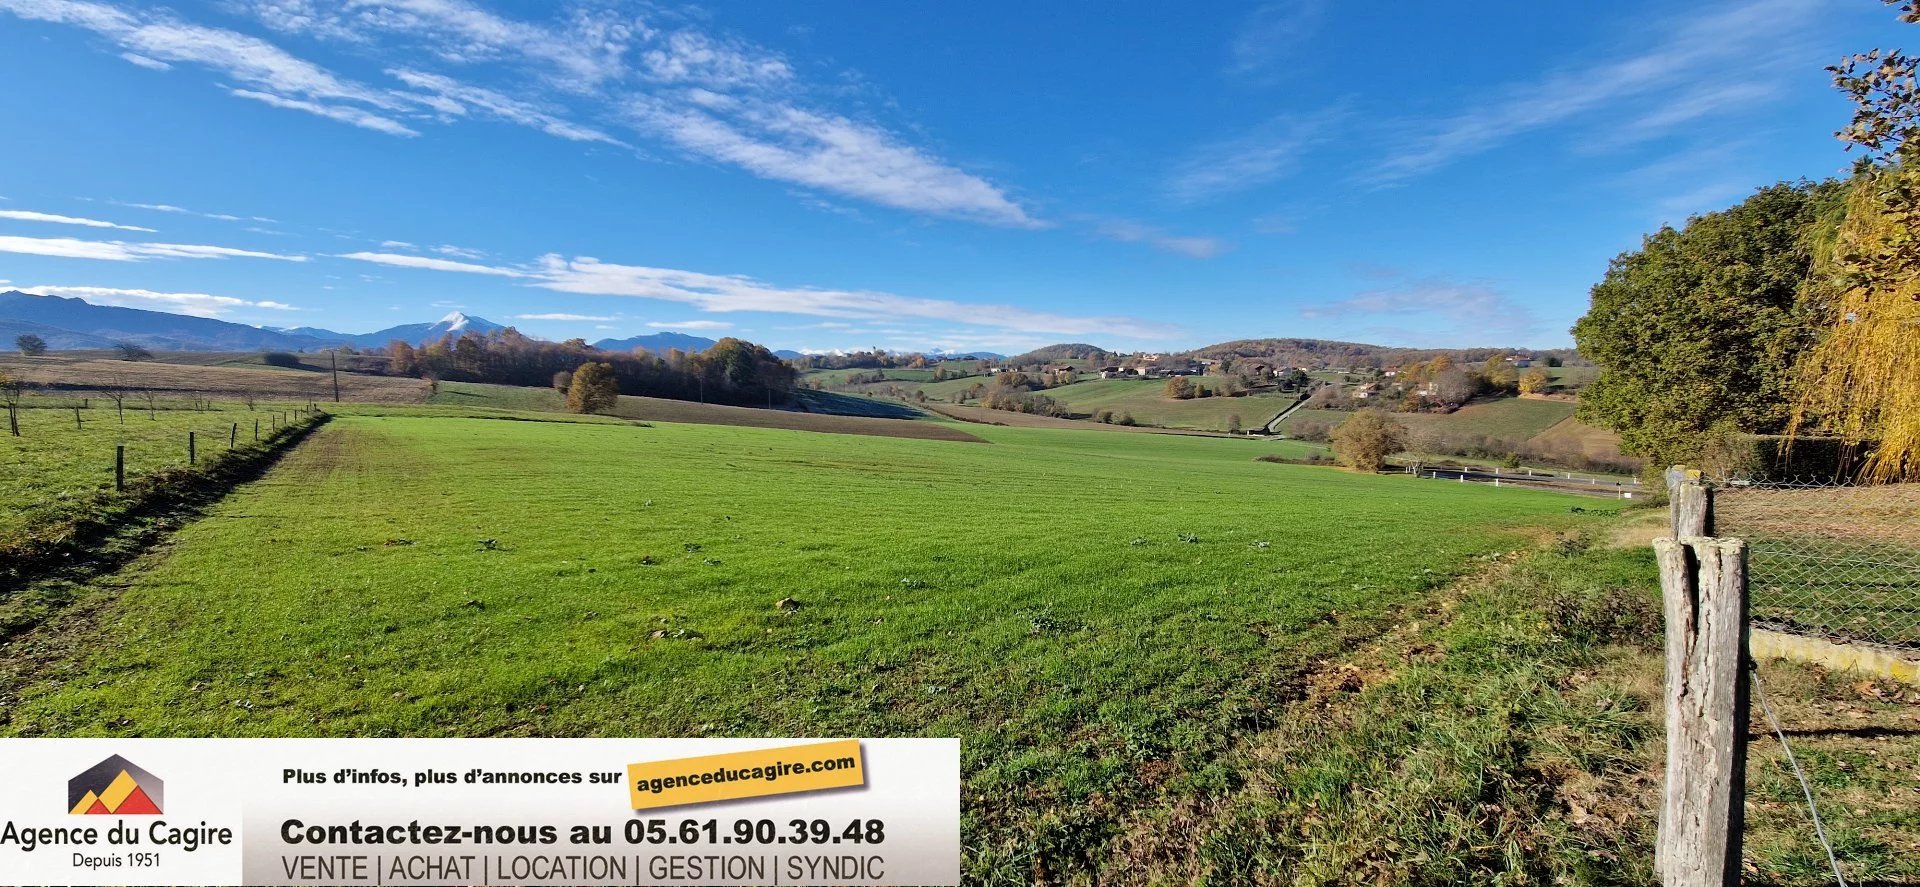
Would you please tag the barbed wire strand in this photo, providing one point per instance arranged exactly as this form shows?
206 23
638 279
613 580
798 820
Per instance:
1819 829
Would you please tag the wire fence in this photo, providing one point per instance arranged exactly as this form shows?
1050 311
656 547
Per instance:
1830 560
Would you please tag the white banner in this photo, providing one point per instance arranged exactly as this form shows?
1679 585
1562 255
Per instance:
479 811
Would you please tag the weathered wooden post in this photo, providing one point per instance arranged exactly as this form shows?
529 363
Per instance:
13 419
1703 585
192 456
120 468
76 418
1690 503
256 430
233 435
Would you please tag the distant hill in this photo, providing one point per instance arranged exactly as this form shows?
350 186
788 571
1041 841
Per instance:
56 338
75 323
1314 353
69 324
418 333
1051 353
967 355
657 343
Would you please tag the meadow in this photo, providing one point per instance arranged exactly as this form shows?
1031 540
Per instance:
1092 613
218 376
56 462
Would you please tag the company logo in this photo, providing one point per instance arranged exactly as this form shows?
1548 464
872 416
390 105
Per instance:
115 786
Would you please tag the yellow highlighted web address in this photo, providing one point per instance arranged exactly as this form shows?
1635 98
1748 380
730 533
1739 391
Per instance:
746 774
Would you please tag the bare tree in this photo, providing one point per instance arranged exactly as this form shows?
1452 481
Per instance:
116 388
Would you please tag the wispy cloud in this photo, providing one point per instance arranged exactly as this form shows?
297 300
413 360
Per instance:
25 216
716 98
786 143
691 325
1271 32
1268 154
460 98
181 210
269 73
1709 62
722 294
343 113
429 263
1127 231
1426 310
573 317
195 304
123 251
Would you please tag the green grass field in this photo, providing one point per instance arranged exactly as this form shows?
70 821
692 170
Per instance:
53 463
435 576
1147 401
1514 418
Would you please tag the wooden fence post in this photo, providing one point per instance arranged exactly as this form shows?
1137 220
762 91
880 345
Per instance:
233 435
76 417
256 430
120 468
1690 503
192 456
13 419
1703 584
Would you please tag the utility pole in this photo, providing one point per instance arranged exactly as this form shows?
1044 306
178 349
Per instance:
333 358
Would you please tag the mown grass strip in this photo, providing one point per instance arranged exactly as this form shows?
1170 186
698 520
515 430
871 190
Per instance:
97 530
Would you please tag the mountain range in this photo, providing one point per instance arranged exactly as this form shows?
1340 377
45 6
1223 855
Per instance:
69 324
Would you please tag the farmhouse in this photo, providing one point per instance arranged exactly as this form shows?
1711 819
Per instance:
1365 391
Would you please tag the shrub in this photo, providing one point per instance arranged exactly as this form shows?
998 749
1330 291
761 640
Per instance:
31 345
593 389
1365 441
281 359
130 351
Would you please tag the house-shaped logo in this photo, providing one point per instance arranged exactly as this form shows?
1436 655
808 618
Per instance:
116 787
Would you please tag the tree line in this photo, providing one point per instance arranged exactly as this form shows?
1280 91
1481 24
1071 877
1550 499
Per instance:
732 371
1794 312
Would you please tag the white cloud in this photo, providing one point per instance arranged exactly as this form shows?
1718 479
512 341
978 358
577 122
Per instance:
454 97
397 244
430 264
723 294
1134 232
581 318
459 252
343 113
588 50
1426 310
716 98
275 76
829 152
122 251
1272 31
195 304
24 216
1268 154
179 210
692 325
144 62
1711 62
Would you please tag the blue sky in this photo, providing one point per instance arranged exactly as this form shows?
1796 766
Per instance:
837 175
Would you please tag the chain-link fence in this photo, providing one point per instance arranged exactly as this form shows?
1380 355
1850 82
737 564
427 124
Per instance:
1835 561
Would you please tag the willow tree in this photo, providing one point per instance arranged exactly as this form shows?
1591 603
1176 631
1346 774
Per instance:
1862 380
